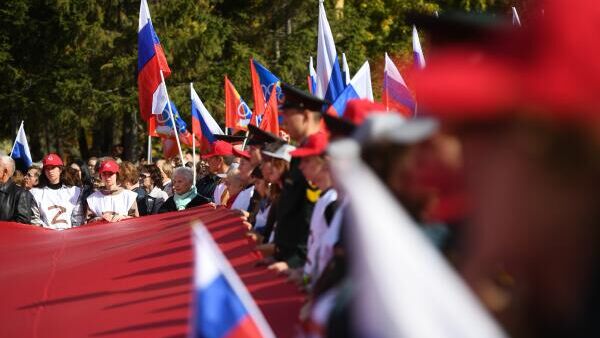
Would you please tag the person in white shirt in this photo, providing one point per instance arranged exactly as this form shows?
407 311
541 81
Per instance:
112 203
243 199
315 168
57 206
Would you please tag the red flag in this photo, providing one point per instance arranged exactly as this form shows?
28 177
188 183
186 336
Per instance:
257 93
152 126
270 120
237 112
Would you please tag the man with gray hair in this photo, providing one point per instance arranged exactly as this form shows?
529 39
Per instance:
15 202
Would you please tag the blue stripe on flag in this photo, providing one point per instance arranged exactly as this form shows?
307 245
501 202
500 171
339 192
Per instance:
146 40
218 309
336 84
19 154
340 104
399 93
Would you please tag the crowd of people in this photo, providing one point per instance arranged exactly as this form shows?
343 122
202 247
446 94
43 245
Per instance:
502 182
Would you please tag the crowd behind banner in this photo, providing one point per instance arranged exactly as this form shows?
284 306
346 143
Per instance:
497 182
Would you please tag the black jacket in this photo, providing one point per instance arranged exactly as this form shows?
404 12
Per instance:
169 205
292 215
15 203
207 184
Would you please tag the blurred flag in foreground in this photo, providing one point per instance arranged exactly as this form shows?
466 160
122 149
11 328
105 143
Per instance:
151 61
396 95
358 88
204 126
329 76
416 294
222 305
417 51
20 151
237 112
516 21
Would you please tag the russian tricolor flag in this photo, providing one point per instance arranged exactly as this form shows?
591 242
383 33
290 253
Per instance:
237 112
359 88
396 95
222 305
329 76
204 126
151 61
312 77
20 151
345 70
417 50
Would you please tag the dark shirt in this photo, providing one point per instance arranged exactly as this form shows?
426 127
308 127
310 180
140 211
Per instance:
169 205
15 203
206 185
293 215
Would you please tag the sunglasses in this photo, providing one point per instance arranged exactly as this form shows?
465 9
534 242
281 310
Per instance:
142 176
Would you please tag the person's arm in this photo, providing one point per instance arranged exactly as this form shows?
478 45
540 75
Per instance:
133 211
23 210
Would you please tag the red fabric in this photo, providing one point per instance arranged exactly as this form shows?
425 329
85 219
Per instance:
270 121
149 79
246 328
257 93
152 126
127 279
233 103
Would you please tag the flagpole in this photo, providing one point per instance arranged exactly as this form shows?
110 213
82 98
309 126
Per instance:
193 139
149 158
16 138
175 131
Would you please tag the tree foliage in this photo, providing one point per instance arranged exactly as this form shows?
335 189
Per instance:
69 66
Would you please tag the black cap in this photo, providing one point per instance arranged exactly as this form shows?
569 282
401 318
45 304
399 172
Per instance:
299 99
230 138
338 127
454 27
257 136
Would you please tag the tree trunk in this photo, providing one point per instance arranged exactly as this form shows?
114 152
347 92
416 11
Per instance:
83 145
129 137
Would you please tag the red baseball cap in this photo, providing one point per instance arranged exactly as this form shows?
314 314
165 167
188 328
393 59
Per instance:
109 166
355 113
52 160
315 144
546 69
241 153
220 148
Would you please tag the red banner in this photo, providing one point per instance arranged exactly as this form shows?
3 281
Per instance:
130 279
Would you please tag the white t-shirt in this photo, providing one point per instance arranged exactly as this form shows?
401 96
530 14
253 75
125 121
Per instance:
219 190
261 218
318 227
242 201
331 237
117 204
56 206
